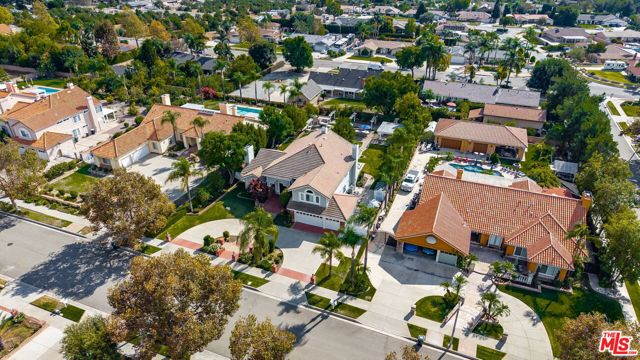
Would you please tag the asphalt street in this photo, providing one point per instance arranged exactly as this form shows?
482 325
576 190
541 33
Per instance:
80 270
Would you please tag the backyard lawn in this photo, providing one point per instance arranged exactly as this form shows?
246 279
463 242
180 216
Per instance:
248 279
555 307
372 159
80 181
238 206
342 102
485 353
611 76
631 110
377 59
433 308
187 221
341 308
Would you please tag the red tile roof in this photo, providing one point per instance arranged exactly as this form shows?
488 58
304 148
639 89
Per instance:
482 133
46 141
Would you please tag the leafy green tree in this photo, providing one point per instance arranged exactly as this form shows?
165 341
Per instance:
544 71
127 205
381 92
622 250
263 53
162 289
279 126
563 87
259 231
6 17
184 170
566 16
224 151
497 10
106 39
89 340
255 135
297 52
21 176
253 340
132 25
329 247
350 238
158 31
344 128
298 116
410 58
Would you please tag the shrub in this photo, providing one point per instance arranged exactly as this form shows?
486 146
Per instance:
59 169
285 196
245 258
116 134
133 110
264 264
139 119
225 235
73 194
202 196
215 183
208 240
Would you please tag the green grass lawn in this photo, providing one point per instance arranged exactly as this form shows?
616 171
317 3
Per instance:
238 206
249 279
212 104
376 59
342 309
43 218
50 304
342 102
555 307
187 221
80 181
433 308
613 109
338 281
634 293
372 159
485 353
491 330
416 330
611 76
148 249
447 339
631 110
12 335
57 83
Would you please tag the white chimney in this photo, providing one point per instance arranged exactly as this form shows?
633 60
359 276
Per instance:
323 130
166 99
248 154
94 119
355 153
70 86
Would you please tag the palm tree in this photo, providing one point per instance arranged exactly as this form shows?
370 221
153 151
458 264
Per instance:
239 78
446 286
183 170
350 238
171 117
283 91
516 56
200 122
296 89
221 66
259 228
366 216
492 306
459 281
268 86
328 246
580 233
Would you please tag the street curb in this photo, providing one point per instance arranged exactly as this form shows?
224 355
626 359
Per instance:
43 224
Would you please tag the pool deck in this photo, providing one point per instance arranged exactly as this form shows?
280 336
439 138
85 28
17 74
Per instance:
478 177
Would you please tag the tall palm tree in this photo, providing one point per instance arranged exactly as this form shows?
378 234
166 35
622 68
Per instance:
365 216
328 247
200 122
580 233
284 89
171 117
493 307
350 238
220 66
295 89
183 170
459 281
259 228
516 56
239 78
268 86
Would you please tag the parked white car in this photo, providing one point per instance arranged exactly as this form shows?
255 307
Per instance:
410 180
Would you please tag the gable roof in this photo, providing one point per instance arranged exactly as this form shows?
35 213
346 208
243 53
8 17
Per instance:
46 141
439 217
48 111
566 32
481 132
345 78
515 112
375 44
486 94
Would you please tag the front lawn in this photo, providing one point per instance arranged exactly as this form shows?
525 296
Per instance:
447 340
339 279
630 109
148 249
342 102
416 330
43 218
634 293
187 221
491 330
485 353
249 279
342 308
377 59
613 109
79 182
50 304
433 308
555 307
372 160
611 76
14 333
238 206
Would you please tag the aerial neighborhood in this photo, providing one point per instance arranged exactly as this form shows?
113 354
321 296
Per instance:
331 179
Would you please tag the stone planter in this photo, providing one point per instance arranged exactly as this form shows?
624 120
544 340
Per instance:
275 268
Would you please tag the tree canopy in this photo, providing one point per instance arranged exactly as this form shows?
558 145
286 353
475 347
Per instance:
251 339
297 52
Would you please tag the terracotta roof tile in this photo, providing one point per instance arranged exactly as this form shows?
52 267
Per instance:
483 133
45 142
526 184
514 112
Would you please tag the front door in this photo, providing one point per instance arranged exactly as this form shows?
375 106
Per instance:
281 188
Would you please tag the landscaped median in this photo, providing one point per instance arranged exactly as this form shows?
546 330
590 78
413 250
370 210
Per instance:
52 305
340 308
35 216
339 280
613 109
485 353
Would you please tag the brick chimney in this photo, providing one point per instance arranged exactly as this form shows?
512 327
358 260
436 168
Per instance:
459 173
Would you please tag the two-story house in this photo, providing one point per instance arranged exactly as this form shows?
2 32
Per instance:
51 125
320 171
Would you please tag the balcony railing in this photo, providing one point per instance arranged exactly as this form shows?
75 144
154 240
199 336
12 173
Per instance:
523 278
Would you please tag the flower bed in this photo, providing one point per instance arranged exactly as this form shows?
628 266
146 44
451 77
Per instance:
15 331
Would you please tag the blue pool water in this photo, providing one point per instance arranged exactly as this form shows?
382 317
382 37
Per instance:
247 111
47 90
473 168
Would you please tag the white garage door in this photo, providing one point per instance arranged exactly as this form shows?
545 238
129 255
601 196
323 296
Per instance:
309 219
449 259
140 153
331 224
126 162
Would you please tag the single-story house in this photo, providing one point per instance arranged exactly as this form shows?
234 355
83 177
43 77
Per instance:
309 93
623 35
319 43
486 94
470 136
601 19
523 117
473 16
382 47
528 225
152 136
613 52
384 10
320 170
574 35
346 83
208 64
540 19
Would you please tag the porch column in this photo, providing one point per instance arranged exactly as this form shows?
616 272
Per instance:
437 255
400 247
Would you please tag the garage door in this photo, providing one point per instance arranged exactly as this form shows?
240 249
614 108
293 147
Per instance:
446 258
308 219
481 148
331 224
126 162
140 153
451 144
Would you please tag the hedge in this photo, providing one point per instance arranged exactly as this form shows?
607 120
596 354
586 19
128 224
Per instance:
59 169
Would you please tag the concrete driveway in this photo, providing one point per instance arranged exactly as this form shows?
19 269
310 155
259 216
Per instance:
158 168
297 246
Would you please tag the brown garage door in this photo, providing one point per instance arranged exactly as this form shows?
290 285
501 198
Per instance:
451 144
481 148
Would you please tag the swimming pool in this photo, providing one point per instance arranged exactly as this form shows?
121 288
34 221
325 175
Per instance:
475 169
247 111
47 90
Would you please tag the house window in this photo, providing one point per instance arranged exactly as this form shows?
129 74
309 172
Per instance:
24 134
310 196
99 108
76 119
550 271
76 133
495 240
154 145
106 161
520 252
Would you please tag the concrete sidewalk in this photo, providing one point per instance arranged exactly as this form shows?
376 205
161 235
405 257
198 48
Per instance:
77 222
